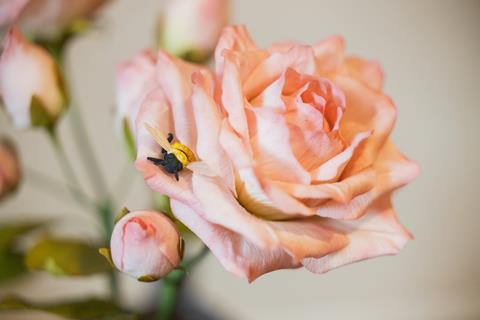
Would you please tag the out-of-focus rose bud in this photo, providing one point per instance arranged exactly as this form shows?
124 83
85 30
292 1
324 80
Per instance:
190 28
145 245
135 79
10 173
46 18
30 83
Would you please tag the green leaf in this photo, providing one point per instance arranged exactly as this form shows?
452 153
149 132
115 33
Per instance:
129 140
79 310
11 265
10 232
66 257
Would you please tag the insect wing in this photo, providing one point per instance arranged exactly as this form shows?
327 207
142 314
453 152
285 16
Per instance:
201 168
159 137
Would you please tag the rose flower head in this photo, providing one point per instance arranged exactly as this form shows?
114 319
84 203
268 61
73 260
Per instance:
10 172
31 85
280 158
145 245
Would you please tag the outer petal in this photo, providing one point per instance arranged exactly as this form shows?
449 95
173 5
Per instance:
369 72
236 39
377 233
208 120
174 76
234 252
329 54
296 240
392 170
135 80
366 110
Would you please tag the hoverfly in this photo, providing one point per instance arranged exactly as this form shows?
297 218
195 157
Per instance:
175 156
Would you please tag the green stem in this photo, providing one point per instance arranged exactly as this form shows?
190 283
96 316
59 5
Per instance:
53 187
73 185
171 286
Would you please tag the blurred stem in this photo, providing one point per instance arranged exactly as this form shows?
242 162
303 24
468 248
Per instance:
70 177
171 286
53 187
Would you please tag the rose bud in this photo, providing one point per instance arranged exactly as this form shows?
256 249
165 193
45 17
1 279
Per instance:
190 28
30 83
46 18
145 245
9 167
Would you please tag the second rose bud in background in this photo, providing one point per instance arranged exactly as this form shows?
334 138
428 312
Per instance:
190 28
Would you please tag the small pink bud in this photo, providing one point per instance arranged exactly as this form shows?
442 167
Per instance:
30 83
10 174
145 245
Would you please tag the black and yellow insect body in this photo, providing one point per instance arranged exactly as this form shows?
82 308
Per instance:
175 156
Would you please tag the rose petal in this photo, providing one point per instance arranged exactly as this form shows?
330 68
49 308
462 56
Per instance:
366 110
234 252
378 233
174 76
367 71
329 55
299 58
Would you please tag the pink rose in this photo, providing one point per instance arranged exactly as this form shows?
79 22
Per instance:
296 140
190 28
145 245
30 83
45 17
10 174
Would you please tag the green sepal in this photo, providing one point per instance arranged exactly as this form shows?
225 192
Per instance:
129 140
181 248
77 310
120 215
39 116
105 252
65 257
147 278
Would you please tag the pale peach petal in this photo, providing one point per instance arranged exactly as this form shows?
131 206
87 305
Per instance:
289 205
219 206
342 191
308 237
135 80
272 148
329 54
238 152
366 110
375 234
235 38
392 170
208 120
174 76
233 100
234 252
332 169
299 58
367 71
154 111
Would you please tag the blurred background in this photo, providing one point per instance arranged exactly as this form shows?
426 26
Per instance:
430 53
